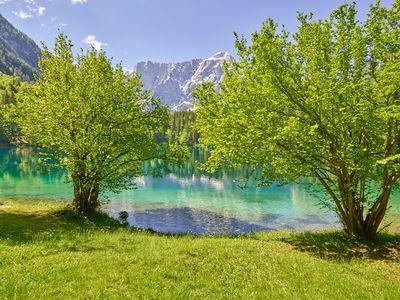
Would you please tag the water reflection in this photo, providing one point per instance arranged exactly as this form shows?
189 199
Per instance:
187 200
191 200
20 176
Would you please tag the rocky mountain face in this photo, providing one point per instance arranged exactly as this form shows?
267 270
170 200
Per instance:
19 54
173 82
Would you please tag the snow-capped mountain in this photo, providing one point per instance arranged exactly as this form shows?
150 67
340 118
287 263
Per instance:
173 82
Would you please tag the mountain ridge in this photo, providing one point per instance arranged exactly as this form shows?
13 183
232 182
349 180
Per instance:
174 82
19 54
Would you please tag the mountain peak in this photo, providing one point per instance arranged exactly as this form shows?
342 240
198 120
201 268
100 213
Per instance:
173 83
221 55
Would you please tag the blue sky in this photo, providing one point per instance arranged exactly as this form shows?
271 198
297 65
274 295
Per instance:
158 30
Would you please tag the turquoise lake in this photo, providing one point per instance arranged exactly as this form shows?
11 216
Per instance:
184 201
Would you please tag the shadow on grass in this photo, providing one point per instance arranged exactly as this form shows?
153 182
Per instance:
23 227
338 246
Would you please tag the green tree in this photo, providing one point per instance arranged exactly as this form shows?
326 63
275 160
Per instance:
92 119
9 87
321 103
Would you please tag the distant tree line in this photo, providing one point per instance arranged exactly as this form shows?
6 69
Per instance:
182 128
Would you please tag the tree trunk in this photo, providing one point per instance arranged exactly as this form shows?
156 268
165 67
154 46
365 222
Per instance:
354 220
86 197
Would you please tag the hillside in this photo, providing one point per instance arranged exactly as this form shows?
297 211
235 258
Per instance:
19 54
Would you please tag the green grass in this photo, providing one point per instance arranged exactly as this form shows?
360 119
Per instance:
48 252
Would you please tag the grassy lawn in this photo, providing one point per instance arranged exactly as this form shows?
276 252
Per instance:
48 252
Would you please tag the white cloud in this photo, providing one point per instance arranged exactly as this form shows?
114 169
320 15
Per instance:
41 10
4 1
127 70
34 8
22 14
91 40
78 1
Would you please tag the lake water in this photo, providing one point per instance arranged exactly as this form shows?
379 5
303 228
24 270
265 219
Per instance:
184 201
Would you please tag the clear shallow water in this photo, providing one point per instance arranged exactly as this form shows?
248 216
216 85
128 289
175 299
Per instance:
186 200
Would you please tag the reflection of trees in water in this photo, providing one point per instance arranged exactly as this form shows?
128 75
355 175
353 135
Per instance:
302 196
193 166
20 162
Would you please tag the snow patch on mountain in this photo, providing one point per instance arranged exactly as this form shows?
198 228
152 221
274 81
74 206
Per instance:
184 106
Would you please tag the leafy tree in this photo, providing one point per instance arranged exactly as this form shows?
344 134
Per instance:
92 119
323 103
9 87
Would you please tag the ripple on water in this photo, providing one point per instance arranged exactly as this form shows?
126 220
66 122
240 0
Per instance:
198 221
189 220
